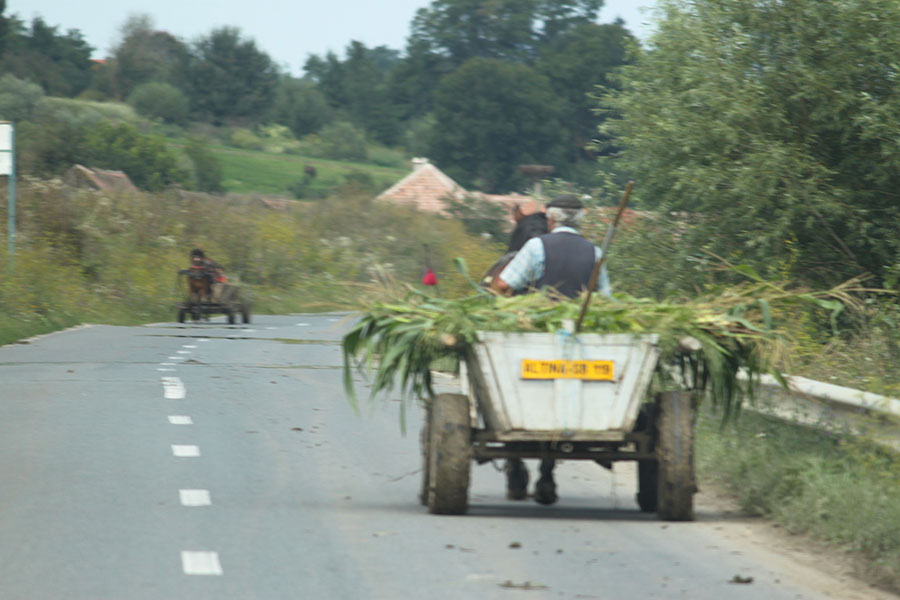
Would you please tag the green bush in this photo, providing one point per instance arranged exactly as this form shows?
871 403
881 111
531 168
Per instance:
159 100
146 159
18 97
277 139
387 157
359 182
206 169
339 141
245 139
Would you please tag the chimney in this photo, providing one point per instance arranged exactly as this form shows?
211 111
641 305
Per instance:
418 163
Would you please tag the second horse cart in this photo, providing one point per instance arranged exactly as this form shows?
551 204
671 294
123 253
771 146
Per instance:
202 302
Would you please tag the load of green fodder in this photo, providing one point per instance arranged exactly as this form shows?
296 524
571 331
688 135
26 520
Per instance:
740 332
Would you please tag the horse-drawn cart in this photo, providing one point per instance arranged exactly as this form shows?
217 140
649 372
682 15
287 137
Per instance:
562 396
204 300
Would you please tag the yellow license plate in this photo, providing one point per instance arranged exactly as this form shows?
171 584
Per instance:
591 370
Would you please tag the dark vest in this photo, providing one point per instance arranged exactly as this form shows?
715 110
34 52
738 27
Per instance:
568 263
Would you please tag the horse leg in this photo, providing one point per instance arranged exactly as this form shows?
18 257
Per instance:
516 478
194 304
545 489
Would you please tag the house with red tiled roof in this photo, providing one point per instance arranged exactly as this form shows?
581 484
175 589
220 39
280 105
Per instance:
98 179
426 188
429 189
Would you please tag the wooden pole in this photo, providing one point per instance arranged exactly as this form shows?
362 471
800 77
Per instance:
604 247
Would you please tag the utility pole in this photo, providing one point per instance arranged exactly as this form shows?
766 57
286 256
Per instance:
8 168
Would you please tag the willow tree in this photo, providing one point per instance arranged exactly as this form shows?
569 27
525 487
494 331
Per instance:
775 126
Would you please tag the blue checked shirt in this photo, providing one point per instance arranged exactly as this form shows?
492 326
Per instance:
527 266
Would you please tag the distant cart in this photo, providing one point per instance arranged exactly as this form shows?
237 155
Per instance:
199 304
562 396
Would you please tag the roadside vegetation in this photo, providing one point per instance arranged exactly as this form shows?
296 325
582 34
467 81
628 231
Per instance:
839 490
84 256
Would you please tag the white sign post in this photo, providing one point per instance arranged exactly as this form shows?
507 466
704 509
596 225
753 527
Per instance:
8 168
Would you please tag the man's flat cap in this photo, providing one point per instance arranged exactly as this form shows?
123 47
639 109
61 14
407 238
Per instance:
567 201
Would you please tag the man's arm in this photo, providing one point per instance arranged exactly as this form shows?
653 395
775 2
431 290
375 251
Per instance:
499 286
519 273
603 285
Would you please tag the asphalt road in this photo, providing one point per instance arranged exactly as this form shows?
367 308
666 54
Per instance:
213 461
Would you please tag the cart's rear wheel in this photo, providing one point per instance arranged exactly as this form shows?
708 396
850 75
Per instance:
245 315
675 449
449 455
230 314
425 440
181 315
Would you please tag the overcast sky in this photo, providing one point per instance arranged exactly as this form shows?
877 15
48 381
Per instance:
286 30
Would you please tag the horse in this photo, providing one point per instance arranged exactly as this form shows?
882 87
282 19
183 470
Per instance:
199 288
527 227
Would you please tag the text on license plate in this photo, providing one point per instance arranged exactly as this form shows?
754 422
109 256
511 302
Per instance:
592 370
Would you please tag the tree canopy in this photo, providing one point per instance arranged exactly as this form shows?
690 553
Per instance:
773 126
146 54
229 77
491 116
59 62
459 30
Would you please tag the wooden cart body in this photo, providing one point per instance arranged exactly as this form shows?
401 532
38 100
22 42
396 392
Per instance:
562 396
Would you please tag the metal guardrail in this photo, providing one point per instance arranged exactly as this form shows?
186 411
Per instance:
832 407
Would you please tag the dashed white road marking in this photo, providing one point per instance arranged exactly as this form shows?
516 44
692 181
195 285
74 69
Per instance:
197 562
176 358
203 340
183 351
167 364
189 346
271 328
180 420
164 369
302 324
173 389
194 497
185 451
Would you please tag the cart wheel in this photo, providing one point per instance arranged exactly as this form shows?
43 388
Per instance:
245 315
449 455
230 316
181 315
648 470
425 442
675 449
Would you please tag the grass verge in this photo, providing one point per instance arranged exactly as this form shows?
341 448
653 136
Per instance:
840 490
257 171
